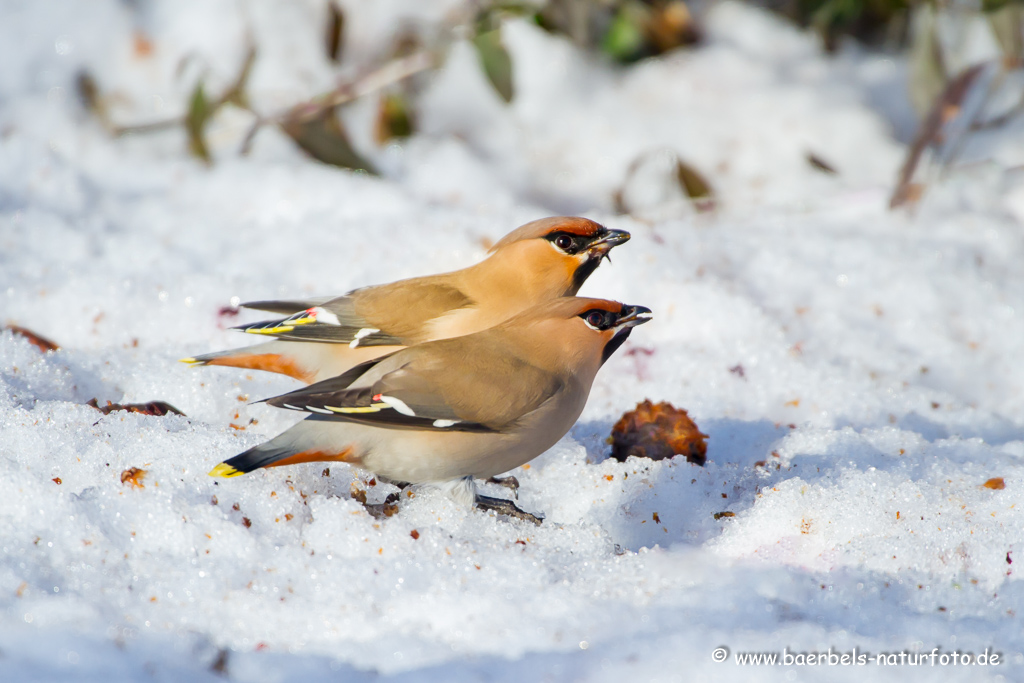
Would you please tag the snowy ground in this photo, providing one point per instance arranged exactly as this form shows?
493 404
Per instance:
881 378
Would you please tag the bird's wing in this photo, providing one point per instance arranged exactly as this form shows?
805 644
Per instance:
287 306
452 391
334 321
385 315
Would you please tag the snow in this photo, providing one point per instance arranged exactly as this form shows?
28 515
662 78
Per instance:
881 385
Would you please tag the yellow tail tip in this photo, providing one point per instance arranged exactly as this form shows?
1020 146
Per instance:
189 361
269 330
226 471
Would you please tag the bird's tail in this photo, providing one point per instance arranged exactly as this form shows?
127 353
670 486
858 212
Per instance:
305 361
279 357
267 455
297 445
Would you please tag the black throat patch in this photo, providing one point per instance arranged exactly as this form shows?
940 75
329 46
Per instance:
582 273
614 343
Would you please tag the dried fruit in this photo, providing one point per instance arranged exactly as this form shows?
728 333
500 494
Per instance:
658 431
133 476
415 534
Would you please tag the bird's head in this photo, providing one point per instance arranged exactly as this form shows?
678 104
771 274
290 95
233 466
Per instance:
562 251
578 332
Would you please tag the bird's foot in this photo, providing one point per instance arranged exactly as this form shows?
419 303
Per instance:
402 485
508 482
506 507
383 510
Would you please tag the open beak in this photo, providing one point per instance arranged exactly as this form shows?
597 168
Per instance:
601 246
632 316
629 317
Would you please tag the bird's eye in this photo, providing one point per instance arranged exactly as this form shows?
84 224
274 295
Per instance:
563 242
595 319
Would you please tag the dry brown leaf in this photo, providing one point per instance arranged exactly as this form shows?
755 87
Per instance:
324 138
335 32
38 341
996 484
820 164
158 408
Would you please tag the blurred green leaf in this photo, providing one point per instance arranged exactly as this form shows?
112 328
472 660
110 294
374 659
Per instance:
996 5
625 40
694 185
872 21
236 94
199 113
928 75
1007 22
496 62
324 139
394 118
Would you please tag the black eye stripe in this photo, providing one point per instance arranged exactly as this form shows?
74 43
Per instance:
568 242
598 318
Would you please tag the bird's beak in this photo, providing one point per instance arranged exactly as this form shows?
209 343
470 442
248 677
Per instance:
632 316
601 246
629 317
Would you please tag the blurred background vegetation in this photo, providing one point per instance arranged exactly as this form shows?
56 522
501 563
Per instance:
938 38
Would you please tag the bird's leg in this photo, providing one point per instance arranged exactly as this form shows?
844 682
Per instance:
382 510
508 482
386 509
506 507
402 485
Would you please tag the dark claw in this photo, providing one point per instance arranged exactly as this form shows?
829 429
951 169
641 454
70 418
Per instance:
508 482
383 510
402 485
506 507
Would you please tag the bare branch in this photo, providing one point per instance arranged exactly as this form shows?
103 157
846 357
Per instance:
378 79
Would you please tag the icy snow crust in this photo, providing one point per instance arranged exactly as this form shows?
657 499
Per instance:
881 384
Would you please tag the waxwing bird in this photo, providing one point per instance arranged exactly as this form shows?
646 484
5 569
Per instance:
323 338
456 409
